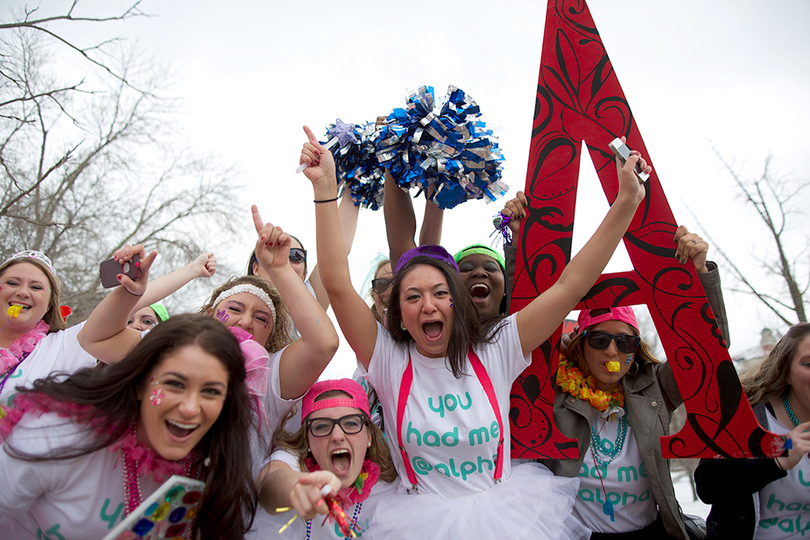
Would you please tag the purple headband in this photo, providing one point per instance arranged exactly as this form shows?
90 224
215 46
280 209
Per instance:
428 250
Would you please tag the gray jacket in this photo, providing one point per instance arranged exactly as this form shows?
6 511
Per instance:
650 396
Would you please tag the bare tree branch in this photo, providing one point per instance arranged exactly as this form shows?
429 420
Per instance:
84 169
774 200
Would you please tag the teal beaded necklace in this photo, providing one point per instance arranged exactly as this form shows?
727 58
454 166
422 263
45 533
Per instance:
604 450
788 409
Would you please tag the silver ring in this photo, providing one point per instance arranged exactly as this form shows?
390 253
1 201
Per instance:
694 241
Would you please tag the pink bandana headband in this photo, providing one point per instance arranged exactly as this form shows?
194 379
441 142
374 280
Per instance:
622 313
359 399
252 289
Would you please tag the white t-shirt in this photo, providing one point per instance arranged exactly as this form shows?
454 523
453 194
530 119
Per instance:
275 407
449 426
56 352
73 499
625 482
784 504
329 530
293 329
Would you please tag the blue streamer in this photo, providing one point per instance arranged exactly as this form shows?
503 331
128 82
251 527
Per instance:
357 166
449 155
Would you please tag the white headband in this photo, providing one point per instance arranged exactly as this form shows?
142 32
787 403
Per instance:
248 288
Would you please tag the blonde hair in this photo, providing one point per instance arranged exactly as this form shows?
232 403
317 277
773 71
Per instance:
770 379
298 444
282 330
53 317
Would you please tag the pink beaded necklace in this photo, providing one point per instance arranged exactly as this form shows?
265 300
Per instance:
138 460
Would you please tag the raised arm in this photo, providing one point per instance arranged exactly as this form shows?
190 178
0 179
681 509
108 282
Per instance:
105 334
400 221
543 315
431 230
353 314
205 265
303 361
280 486
347 212
515 209
692 246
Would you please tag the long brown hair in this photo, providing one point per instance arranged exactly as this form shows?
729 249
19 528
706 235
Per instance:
770 379
282 330
54 315
229 498
298 444
466 330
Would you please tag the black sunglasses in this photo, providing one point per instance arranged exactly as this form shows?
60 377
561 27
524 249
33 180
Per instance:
380 285
625 343
323 427
298 255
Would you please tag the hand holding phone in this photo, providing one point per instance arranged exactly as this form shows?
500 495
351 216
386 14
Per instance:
622 151
110 269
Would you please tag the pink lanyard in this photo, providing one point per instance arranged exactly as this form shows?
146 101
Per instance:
405 390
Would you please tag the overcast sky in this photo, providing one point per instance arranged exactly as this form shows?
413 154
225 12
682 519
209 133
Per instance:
251 73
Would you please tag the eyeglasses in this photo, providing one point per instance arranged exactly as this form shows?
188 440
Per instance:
350 424
298 255
625 343
380 285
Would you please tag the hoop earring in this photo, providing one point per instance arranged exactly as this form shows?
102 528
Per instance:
634 373
402 325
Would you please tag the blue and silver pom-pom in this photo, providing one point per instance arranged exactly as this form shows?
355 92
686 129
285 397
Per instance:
448 153
358 169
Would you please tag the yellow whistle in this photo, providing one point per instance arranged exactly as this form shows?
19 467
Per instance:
613 366
14 311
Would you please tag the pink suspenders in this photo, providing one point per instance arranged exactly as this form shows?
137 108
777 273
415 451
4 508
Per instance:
405 390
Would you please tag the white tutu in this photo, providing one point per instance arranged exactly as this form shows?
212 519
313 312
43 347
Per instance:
532 504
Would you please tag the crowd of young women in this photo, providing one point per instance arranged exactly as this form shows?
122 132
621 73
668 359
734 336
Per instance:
97 416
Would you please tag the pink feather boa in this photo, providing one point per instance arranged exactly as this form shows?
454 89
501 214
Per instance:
147 462
23 345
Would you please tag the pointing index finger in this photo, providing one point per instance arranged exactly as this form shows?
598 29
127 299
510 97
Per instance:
310 135
257 219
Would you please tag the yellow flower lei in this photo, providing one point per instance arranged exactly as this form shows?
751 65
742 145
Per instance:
572 380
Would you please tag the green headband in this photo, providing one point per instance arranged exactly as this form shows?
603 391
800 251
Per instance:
481 249
160 310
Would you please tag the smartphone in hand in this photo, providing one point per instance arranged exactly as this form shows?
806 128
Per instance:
622 151
110 269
